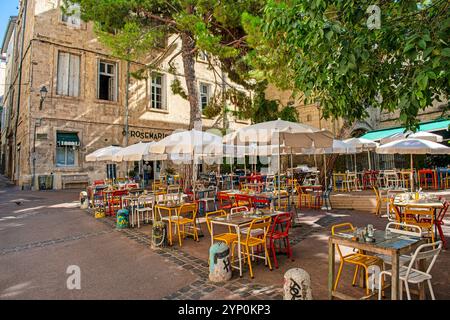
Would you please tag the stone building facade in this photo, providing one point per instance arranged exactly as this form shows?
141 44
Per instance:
86 105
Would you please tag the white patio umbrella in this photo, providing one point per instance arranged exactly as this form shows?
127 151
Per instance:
362 145
103 154
339 147
136 152
424 135
281 133
195 143
411 147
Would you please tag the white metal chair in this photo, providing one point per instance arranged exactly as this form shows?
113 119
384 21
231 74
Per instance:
408 274
405 230
237 210
145 206
391 179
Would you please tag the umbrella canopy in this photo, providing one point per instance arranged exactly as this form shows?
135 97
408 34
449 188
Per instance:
135 152
294 135
410 135
413 146
362 144
103 154
339 147
189 142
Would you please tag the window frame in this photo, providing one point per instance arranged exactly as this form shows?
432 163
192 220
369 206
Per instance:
69 74
116 83
163 91
201 94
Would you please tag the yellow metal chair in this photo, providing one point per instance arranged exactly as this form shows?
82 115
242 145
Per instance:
251 242
229 237
380 200
303 197
421 217
168 215
358 259
284 201
186 217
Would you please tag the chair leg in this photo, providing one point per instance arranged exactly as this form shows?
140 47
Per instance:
179 233
408 294
355 275
249 262
338 275
442 236
401 290
431 290
272 247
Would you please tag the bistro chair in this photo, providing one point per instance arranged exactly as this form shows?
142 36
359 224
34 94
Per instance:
173 188
304 198
242 200
427 179
391 179
403 229
284 201
145 207
207 197
439 221
224 201
237 210
279 231
261 203
229 237
393 213
186 218
361 261
115 201
250 242
380 200
409 274
421 217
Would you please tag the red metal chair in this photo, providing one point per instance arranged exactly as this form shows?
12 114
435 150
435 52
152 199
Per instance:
224 201
427 179
261 203
439 221
115 201
99 182
243 200
280 231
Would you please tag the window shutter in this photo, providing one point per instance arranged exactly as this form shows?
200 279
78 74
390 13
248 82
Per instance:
63 74
74 84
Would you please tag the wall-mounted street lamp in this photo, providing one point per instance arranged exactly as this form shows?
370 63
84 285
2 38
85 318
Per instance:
43 93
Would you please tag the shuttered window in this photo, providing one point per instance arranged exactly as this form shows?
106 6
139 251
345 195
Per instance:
68 75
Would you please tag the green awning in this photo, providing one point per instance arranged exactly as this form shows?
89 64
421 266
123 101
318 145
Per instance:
67 139
425 126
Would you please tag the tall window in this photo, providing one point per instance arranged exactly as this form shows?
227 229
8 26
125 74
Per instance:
68 83
157 91
72 15
205 94
202 56
67 145
107 81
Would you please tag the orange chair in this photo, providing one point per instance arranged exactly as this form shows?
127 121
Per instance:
242 200
358 259
393 214
303 197
421 217
229 237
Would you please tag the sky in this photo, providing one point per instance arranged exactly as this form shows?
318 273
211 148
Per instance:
7 8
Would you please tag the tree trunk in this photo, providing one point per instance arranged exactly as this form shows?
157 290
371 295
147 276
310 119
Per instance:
188 54
344 133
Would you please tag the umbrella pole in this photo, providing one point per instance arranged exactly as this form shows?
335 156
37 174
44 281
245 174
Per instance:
356 167
368 158
325 169
412 173
279 169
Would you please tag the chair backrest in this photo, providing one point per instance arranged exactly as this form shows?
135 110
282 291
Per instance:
188 210
413 213
237 210
342 227
425 252
99 182
173 189
258 224
404 229
260 203
209 215
281 224
242 200
393 212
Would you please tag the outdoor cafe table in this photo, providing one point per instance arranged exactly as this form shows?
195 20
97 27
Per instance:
237 221
271 196
394 247
172 211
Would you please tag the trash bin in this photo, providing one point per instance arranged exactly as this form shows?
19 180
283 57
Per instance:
219 263
122 219
84 202
45 182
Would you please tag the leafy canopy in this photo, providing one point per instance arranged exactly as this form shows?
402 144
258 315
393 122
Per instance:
325 50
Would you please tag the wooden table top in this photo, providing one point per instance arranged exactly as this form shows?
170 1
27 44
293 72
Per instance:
420 203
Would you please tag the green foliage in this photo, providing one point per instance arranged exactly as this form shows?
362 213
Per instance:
325 50
178 89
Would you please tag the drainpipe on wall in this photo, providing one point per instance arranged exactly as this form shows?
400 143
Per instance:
19 89
127 103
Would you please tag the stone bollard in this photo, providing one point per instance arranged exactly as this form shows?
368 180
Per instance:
84 201
219 263
159 235
297 285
